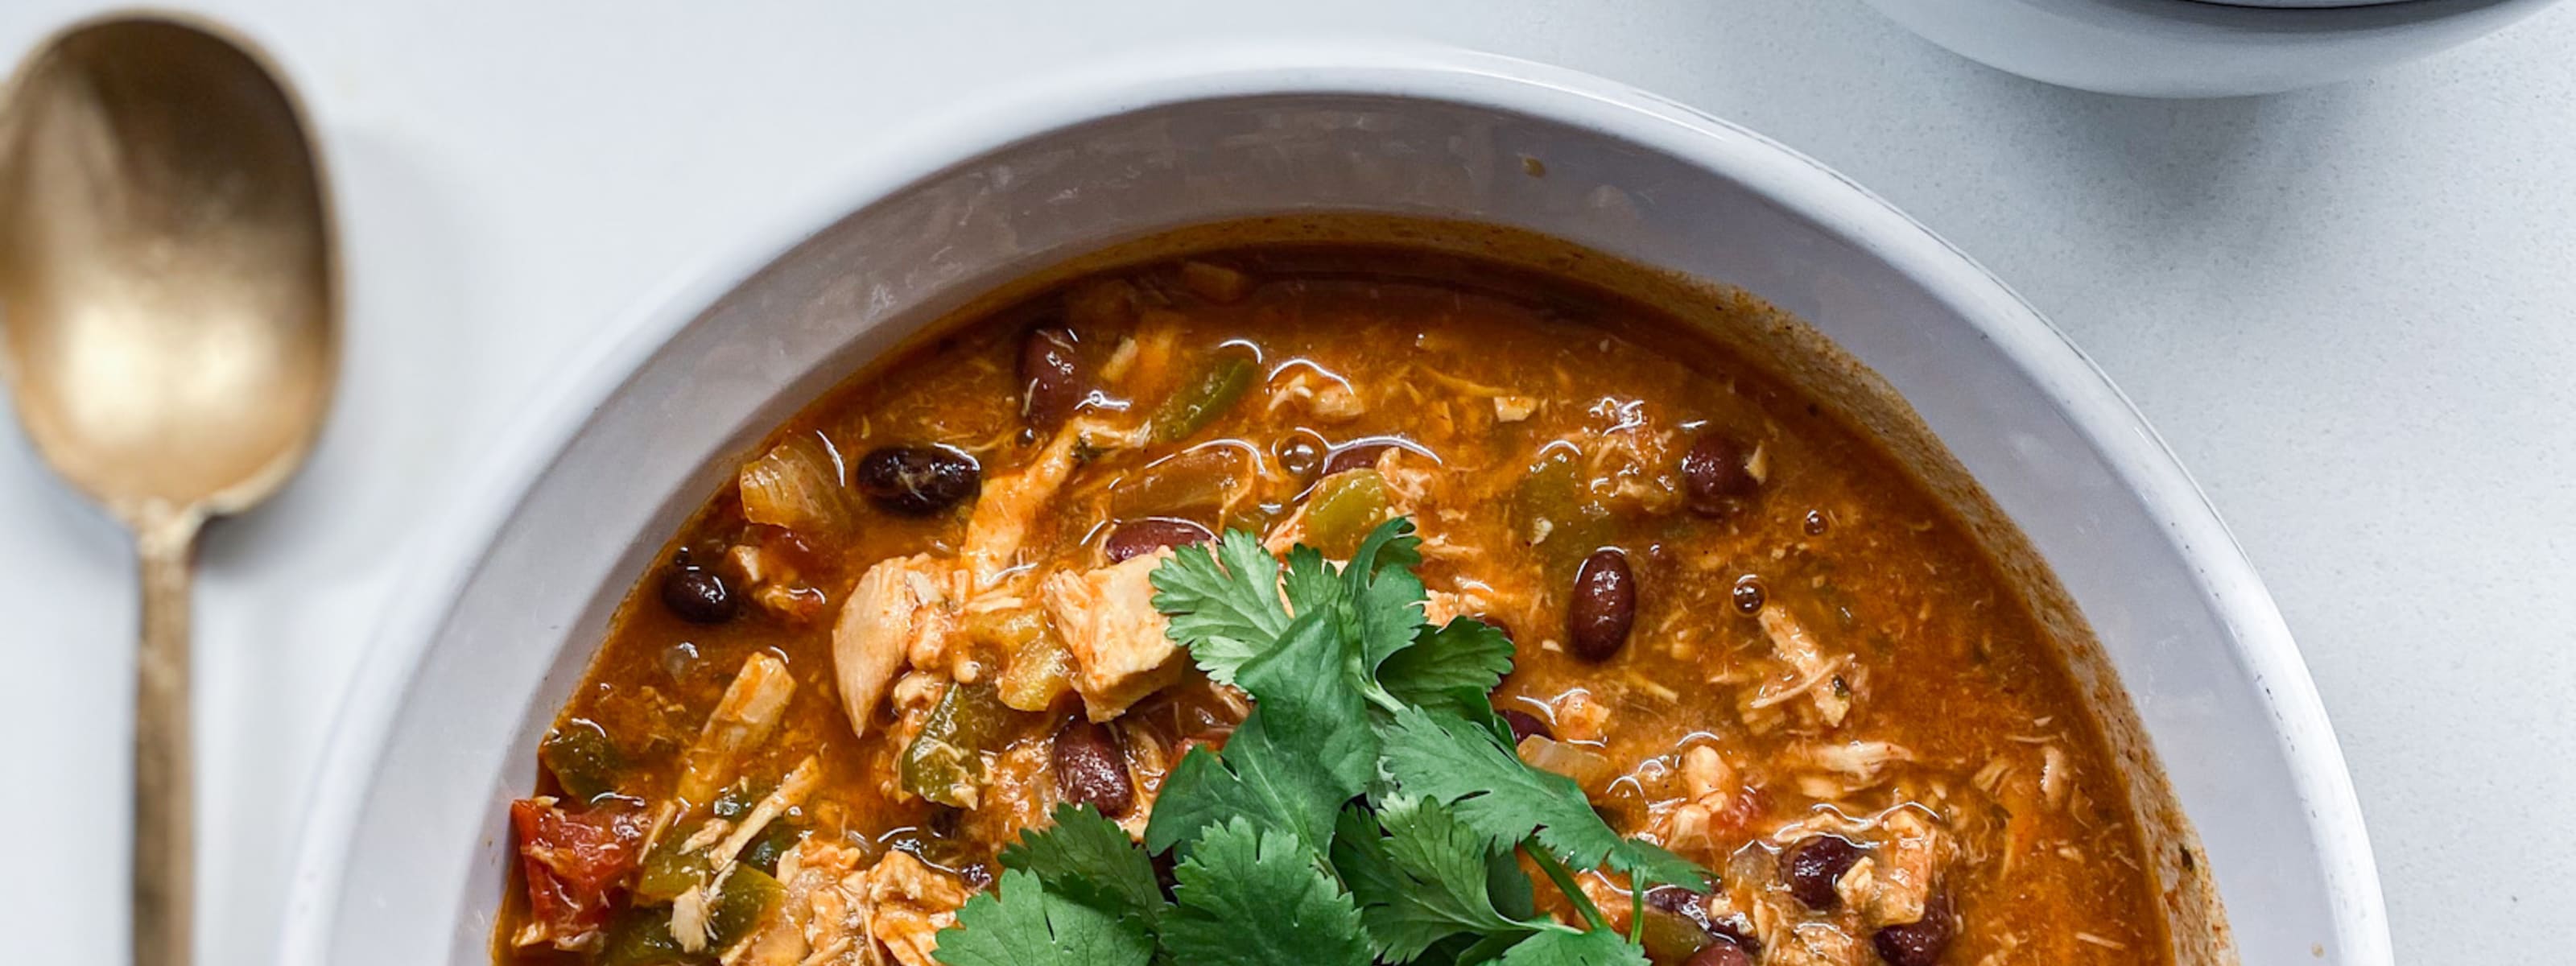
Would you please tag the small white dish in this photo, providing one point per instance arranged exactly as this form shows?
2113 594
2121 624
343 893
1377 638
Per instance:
2200 48
406 852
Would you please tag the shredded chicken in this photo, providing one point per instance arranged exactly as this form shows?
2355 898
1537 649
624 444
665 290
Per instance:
689 919
1716 806
1326 396
814 923
908 904
743 719
1815 944
1899 880
1834 769
1109 624
1817 674
1000 522
792 789
2053 778
1441 606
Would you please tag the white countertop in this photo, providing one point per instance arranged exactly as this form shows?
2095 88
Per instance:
2351 311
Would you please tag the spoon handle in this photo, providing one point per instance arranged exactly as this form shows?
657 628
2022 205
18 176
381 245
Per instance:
164 789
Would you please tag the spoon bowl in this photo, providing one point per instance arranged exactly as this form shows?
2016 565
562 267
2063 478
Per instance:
169 320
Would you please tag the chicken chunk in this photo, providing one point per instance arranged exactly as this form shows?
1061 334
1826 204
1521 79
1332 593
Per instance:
743 719
1816 944
1895 882
909 903
1106 616
902 610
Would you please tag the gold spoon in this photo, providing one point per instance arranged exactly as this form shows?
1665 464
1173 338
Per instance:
169 320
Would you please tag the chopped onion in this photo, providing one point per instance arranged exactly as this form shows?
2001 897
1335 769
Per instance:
1588 768
797 485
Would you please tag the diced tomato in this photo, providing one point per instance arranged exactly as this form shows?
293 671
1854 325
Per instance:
574 862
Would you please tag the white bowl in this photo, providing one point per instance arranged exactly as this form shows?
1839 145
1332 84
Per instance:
2189 48
406 850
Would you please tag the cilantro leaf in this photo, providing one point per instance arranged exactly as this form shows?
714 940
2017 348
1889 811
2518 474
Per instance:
1224 604
1510 885
1425 879
1597 948
1504 800
1087 858
1384 595
1302 687
1295 760
1460 661
1248 897
1645 860
1311 583
1275 784
1020 923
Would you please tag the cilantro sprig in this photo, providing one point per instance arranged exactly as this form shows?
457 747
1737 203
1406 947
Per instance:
1371 809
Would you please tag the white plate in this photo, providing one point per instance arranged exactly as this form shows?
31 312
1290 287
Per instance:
406 850
2188 48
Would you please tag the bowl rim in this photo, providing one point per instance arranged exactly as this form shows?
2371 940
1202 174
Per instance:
929 147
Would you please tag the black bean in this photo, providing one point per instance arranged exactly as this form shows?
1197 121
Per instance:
698 596
1136 538
1091 767
1811 867
918 480
1748 594
1357 455
978 876
1053 380
1720 953
1918 943
1817 523
1604 606
1525 724
1717 474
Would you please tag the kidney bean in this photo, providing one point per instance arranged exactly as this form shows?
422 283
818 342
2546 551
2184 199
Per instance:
1136 538
1736 931
1358 455
1053 377
1091 767
1918 943
1717 475
1810 867
1679 901
1604 606
697 596
918 480
1525 724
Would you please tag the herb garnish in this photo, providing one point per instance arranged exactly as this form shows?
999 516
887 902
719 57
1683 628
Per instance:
1310 840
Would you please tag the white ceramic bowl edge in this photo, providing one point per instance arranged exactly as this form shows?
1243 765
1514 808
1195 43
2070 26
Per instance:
386 739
